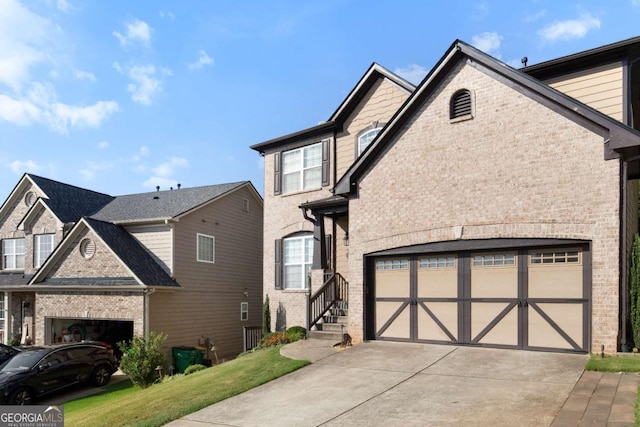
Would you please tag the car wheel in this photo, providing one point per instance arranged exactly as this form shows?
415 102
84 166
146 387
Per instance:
101 376
23 396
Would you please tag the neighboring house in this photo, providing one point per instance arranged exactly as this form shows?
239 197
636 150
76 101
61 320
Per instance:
482 207
77 264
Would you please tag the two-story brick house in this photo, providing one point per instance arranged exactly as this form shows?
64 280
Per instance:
77 264
487 206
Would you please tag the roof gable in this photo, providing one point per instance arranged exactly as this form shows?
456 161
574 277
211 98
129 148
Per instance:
162 205
616 136
129 253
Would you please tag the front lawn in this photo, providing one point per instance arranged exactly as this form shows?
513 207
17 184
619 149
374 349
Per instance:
162 403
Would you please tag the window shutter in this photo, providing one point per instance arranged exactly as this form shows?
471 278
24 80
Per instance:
278 264
460 104
277 174
325 162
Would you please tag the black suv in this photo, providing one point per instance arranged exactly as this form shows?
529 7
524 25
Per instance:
37 371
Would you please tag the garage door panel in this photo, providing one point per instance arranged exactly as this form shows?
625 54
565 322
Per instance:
393 283
438 321
494 323
556 325
557 281
494 275
438 283
393 319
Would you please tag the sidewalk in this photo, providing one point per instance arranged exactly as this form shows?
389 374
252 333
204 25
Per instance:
600 399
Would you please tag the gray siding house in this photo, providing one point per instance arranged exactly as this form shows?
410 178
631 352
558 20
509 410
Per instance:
83 265
487 206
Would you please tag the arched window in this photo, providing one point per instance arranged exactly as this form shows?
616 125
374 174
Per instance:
365 139
461 105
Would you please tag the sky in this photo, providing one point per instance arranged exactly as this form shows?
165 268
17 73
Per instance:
122 96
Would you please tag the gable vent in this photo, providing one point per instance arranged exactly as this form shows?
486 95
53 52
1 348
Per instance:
460 104
87 248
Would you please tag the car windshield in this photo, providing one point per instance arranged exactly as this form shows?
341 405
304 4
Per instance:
23 360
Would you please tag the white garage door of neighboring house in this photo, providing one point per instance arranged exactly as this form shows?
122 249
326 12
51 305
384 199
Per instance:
523 298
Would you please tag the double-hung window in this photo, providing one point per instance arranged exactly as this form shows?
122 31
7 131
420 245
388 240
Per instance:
298 257
13 254
302 168
206 248
42 248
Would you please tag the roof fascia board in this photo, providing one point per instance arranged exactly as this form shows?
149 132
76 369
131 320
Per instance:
31 213
275 143
22 183
373 73
208 202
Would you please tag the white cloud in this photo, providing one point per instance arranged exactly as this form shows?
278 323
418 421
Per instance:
137 32
102 145
24 42
19 166
146 82
569 29
64 6
165 14
89 172
481 11
488 43
40 106
144 151
535 16
413 73
203 59
162 174
85 75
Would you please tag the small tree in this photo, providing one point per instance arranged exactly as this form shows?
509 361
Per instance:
634 290
141 357
266 317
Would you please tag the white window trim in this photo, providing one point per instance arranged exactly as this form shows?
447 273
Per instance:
13 254
301 169
244 311
37 262
364 134
213 254
303 264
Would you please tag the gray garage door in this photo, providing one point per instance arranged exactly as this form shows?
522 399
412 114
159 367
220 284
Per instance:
529 299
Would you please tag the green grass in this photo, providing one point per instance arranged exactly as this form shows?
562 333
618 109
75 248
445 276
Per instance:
618 364
126 405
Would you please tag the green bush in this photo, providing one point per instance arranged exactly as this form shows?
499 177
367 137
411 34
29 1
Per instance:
194 368
266 317
296 333
141 357
276 338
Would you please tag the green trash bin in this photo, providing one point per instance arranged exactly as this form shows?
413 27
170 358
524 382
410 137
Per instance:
184 357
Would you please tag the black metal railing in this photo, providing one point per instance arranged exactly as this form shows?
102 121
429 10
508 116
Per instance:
334 289
252 336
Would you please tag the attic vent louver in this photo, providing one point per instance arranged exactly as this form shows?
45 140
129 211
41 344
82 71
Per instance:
460 104
87 248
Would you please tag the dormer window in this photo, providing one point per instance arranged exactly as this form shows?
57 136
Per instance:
365 139
461 105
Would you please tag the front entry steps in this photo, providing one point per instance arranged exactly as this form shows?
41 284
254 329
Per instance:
333 325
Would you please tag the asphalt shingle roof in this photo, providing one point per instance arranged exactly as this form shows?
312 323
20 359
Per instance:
127 248
160 204
68 202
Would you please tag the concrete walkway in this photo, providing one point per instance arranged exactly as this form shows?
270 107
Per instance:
600 399
388 384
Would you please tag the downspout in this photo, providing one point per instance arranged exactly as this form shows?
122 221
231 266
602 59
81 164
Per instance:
147 292
624 300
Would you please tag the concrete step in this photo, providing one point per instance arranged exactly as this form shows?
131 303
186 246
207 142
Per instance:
333 327
324 335
343 320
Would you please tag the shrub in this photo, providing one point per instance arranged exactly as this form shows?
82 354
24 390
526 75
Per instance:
266 317
296 333
194 368
275 338
15 341
141 357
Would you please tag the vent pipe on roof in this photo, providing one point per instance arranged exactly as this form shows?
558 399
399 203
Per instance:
157 188
179 185
524 61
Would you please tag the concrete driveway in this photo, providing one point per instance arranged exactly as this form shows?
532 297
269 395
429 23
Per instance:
388 384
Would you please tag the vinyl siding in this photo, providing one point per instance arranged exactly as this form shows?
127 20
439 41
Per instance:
157 241
382 101
600 88
210 294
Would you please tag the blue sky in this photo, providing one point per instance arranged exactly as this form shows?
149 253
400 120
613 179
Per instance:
120 96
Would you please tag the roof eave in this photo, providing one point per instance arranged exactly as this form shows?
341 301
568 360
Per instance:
317 130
